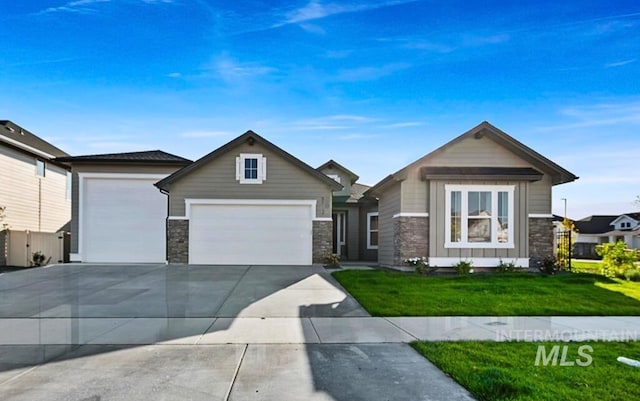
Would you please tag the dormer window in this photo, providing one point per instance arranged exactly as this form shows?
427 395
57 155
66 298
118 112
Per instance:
251 168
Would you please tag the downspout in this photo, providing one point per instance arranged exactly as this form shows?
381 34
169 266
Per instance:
166 228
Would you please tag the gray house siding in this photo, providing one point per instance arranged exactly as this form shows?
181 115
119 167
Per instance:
103 168
345 180
471 152
389 205
217 180
352 226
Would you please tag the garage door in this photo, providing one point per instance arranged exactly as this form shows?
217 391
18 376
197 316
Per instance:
123 221
250 234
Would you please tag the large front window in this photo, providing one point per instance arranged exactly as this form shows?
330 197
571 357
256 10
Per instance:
479 216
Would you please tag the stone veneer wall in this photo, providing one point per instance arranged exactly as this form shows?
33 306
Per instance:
540 239
410 238
178 241
322 240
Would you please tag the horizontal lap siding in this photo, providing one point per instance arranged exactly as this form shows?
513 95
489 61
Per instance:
217 180
471 152
22 192
388 206
437 224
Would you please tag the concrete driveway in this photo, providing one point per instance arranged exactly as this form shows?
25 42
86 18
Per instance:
116 332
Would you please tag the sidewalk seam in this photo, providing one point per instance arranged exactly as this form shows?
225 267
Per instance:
401 329
315 330
215 314
235 374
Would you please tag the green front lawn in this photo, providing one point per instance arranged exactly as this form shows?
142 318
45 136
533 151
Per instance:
507 371
384 293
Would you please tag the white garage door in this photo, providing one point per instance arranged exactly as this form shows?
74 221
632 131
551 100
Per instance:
251 234
123 221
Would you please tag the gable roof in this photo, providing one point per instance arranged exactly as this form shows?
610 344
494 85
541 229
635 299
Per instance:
596 224
250 137
485 129
333 164
634 216
18 137
151 156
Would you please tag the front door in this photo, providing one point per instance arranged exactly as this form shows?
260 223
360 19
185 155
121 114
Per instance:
339 233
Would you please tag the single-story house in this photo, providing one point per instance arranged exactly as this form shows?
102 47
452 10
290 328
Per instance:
482 197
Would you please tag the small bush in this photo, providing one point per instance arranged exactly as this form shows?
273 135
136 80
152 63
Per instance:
632 275
616 258
463 267
39 259
548 266
331 260
506 267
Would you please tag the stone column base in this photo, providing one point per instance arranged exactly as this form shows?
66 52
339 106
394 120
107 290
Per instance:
178 241
410 238
540 239
322 240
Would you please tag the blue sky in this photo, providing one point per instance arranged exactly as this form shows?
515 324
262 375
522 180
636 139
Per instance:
372 84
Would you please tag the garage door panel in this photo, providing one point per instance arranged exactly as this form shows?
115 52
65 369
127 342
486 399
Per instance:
250 234
124 221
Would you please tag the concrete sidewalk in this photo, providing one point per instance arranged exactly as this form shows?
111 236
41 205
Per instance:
314 330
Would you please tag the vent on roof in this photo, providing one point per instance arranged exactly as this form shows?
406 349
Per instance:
11 129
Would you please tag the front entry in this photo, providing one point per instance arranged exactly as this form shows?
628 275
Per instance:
340 233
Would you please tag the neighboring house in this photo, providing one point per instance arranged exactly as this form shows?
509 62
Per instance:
118 215
600 229
483 197
35 188
249 202
355 217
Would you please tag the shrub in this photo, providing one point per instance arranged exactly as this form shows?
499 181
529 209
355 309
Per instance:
39 259
632 275
548 266
616 258
331 260
463 267
506 267
420 264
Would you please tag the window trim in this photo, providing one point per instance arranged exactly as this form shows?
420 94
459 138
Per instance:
44 168
494 189
369 230
240 169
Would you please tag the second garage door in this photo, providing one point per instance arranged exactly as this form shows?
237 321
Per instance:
251 233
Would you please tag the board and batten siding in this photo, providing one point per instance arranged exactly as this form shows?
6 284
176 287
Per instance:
33 203
104 169
540 196
217 180
388 206
438 215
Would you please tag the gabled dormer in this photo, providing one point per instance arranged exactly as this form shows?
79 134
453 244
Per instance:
341 175
629 221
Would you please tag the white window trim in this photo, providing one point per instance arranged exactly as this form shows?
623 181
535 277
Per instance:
262 168
369 215
494 189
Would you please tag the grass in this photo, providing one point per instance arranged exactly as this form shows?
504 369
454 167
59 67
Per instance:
384 293
507 371
583 266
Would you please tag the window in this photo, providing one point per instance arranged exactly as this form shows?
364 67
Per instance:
40 168
251 168
372 230
334 177
68 192
479 216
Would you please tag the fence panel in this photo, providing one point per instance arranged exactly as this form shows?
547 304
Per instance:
23 244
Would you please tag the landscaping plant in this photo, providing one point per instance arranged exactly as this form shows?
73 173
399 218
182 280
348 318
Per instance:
616 259
463 267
